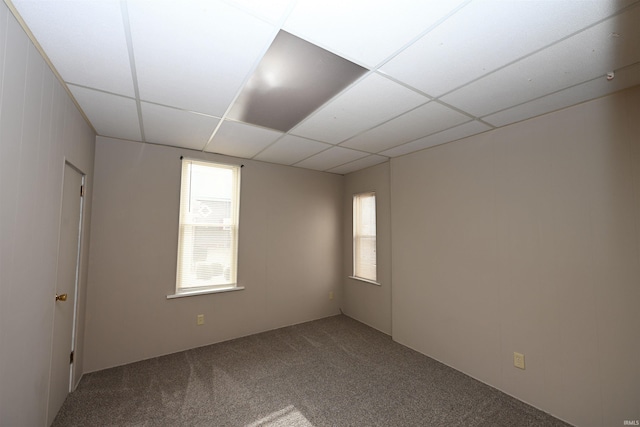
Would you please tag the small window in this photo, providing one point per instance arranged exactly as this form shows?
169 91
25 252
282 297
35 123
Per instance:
208 236
364 236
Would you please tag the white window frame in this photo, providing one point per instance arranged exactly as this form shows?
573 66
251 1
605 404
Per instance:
185 261
362 268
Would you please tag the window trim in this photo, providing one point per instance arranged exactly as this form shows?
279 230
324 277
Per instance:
210 289
205 292
362 279
355 212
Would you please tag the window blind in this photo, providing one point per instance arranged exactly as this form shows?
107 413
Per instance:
364 236
208 229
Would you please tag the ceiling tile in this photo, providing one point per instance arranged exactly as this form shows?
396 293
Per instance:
600 86
194 54
331 158
291 149
469 65
178 128
607 46
363 31
425 120
111 115
241 140
369 102
294 78
443 137
274 11
85 41
486 35
365 162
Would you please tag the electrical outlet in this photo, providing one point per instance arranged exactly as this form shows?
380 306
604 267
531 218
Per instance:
330 295
200 319
518 360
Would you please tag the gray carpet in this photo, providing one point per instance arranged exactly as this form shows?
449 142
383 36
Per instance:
330 372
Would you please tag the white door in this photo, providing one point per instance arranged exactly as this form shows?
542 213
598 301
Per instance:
66 290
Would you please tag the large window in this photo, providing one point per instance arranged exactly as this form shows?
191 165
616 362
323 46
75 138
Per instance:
364 236
208 236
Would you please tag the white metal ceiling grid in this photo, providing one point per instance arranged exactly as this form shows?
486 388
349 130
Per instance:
168 71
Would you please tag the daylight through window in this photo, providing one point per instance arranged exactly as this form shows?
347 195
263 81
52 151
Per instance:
208 236
364 236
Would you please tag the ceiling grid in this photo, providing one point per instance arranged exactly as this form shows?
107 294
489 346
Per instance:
178 72
132 64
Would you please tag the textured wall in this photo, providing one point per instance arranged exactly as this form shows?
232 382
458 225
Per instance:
527 239
363 301
39 128
289 254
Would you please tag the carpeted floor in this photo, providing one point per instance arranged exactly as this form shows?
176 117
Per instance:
330 372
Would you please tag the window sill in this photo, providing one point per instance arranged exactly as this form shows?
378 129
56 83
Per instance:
205 292
373 282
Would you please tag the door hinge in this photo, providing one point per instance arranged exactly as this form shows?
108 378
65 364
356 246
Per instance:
71 358
82 191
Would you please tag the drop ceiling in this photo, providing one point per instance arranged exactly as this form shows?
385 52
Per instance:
170 72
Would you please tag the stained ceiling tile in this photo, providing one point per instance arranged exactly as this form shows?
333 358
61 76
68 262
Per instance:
489 34
178 128
85 41
422 121
291 149
111 115
195 55
453 134
369 102
365 162
607 46
241 140
363 31
331 158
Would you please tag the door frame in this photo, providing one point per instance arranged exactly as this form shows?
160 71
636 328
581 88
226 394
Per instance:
76 300
76 288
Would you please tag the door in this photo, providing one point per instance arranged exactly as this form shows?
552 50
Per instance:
66 290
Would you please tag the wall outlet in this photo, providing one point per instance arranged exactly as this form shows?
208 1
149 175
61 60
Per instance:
200 319
330 295
518 360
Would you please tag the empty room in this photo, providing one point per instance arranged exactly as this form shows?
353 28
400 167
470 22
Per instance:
319 213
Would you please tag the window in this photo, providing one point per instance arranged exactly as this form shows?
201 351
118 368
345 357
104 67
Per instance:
364 236
208 235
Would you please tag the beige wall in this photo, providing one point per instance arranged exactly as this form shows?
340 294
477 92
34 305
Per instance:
289 259
527 239
366 302
39 128
522 239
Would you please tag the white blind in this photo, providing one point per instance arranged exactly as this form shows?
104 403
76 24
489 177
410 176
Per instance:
364 236
208 236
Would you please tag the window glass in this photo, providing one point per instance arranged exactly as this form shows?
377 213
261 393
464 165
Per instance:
208 235
364 236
